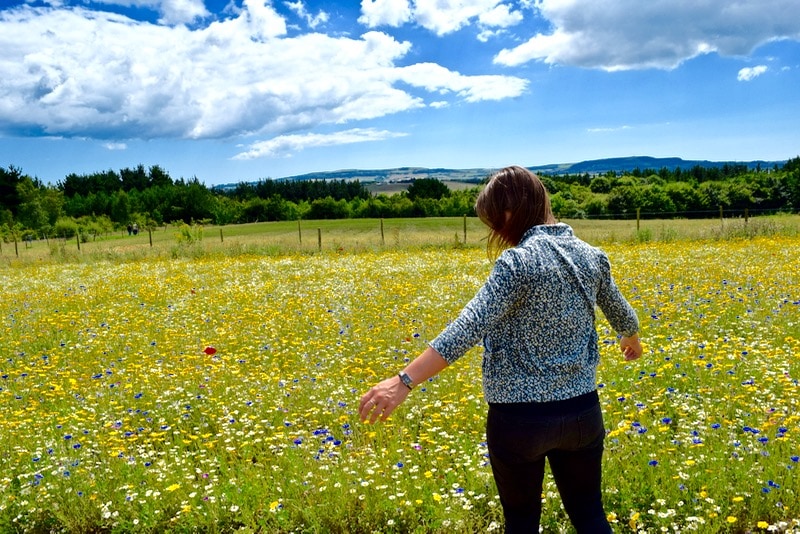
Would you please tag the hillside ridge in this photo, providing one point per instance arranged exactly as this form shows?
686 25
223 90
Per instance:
597 166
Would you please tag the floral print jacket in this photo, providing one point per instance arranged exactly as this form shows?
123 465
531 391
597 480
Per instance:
536 317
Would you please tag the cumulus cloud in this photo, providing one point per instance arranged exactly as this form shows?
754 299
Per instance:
313 21
749 73
631 34
375 13
171 11
439 16
73 72
288 145
436 78
501 16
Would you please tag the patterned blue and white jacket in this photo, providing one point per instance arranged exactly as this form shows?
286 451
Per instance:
536 316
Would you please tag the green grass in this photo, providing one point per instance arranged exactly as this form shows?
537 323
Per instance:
366 234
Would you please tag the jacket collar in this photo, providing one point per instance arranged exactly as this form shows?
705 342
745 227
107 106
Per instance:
558 229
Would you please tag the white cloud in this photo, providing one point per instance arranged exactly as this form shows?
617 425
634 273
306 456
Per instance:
631 34
439 16
501 16
77 73
375 13
171 11
288 145
447 16
609 129
436 78
749 73
115 146
300 10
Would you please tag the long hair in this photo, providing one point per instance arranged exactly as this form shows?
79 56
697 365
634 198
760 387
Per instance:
513 201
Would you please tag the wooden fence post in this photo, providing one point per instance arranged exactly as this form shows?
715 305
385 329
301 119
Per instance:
78 239
383 238
319 238
16 249
299 232
638 216
150 235
221 239
465 229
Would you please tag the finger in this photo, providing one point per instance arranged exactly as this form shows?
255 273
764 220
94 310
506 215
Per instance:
365 408
376 413
365 400
386 413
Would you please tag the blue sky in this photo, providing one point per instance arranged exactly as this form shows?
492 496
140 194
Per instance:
240 90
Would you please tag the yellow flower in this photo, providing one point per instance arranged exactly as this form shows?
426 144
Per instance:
173 487
437 497
762 524
730 519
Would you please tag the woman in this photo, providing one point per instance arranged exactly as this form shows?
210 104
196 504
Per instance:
536 317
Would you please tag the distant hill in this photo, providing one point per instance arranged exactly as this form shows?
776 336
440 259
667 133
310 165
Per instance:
398 175
600 166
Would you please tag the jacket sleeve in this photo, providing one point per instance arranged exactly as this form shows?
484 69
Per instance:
488 306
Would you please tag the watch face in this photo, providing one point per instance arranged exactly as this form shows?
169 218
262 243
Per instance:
406 379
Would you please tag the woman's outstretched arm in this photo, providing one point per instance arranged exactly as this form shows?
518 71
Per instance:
381 399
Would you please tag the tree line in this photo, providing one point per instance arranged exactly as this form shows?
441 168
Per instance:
107 201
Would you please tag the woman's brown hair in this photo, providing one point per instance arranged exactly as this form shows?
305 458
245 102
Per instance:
513 201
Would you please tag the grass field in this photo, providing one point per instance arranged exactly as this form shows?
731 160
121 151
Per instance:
366 235
212 385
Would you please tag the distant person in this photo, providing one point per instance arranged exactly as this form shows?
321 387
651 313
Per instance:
536 316
135 229
130 228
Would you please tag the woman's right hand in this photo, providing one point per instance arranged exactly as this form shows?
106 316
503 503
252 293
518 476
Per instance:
631 347
381 400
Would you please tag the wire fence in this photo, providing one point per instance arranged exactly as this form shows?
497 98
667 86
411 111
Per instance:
358 234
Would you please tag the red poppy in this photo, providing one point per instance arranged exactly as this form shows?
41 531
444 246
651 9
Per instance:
210 351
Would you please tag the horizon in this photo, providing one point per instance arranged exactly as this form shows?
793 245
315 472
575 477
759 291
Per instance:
227 91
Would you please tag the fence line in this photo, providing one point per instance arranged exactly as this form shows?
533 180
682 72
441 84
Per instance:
373 236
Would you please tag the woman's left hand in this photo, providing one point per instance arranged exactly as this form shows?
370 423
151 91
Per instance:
381 400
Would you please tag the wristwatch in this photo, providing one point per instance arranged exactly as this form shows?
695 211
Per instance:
406 380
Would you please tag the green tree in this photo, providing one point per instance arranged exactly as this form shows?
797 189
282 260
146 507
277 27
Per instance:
600 184
328 208
684 196
134 179
623 201
120 211
9 180
427 188
30 212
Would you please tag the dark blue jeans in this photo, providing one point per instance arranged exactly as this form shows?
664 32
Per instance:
519 441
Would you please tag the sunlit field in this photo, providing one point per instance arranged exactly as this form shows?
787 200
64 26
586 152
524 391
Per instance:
354 235
218 393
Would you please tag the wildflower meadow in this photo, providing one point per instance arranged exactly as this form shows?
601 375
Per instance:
218 393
